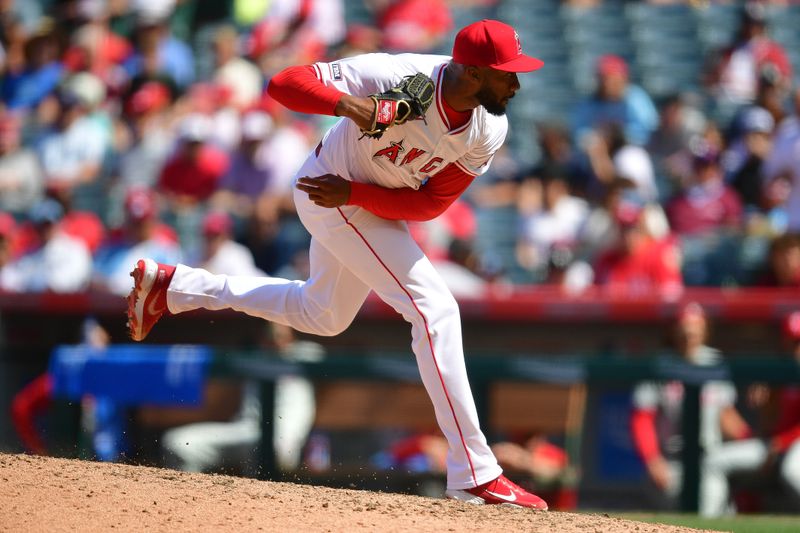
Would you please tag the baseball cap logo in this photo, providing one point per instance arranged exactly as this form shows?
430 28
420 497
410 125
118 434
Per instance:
519 45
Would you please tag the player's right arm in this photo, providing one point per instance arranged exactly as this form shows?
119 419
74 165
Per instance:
299 89
339 88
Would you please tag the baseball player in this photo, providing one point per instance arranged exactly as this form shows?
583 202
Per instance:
416 130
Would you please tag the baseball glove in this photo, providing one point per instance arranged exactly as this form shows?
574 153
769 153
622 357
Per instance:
406 101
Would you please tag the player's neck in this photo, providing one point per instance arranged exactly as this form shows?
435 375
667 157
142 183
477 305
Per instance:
455 92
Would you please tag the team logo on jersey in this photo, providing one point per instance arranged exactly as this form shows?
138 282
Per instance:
336 70
395 149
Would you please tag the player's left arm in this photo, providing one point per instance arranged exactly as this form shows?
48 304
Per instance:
425 203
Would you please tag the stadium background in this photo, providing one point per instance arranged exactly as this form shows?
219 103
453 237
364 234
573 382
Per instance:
518 311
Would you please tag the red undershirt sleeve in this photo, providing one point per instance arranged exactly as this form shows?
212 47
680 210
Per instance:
785 439
645 439
425 203
299 89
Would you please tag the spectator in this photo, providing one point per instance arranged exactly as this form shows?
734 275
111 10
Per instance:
656 415
679 122
251 172
157 50
296 33
7 231
782 168
149 137
193 173
600 230
26 84
72 152
611 156
777 453
140 233
95 48
615 101
417 26
233 72
566 271
57 263
744 159
548 214
559 157
21 179
733 76
639 265
221 255
708 205
783 263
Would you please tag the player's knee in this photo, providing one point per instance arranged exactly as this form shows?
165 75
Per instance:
446 309
332 325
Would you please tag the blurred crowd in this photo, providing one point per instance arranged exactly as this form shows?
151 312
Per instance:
133 128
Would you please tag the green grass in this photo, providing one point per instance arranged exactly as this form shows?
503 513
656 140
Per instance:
735 524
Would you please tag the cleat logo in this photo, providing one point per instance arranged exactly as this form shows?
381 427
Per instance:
152 310
505 497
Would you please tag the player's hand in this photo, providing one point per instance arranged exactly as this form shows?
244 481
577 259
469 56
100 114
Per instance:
328 190
660 473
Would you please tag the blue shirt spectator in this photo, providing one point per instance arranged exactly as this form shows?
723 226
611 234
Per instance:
25 88
616 101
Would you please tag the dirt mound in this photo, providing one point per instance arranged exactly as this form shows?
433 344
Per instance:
47 494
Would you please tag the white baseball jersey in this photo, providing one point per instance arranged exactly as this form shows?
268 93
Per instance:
406 155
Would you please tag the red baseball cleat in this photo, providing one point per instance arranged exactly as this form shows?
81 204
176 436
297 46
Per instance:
501 491
148 298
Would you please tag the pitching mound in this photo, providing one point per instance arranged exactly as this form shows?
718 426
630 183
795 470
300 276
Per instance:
47 494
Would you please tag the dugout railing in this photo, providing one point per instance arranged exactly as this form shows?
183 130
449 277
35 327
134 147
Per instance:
180 369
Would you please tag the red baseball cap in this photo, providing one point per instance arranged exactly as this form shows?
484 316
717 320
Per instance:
610 64
491 43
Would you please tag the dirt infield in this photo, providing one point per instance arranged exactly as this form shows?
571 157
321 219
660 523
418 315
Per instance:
47 494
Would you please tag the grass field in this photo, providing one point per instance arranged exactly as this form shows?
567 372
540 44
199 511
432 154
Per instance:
735 524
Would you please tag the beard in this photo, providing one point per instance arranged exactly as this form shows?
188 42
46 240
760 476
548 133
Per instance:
491 103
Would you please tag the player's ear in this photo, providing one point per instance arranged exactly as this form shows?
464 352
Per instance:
474 74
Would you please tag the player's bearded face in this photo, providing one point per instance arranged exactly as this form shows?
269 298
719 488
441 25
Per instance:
491 102
497 89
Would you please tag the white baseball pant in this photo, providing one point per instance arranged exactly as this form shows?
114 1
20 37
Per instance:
741 456
352 252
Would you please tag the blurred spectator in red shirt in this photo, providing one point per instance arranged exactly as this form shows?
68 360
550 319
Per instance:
734 74
193 173
708 204
417 26
639 265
